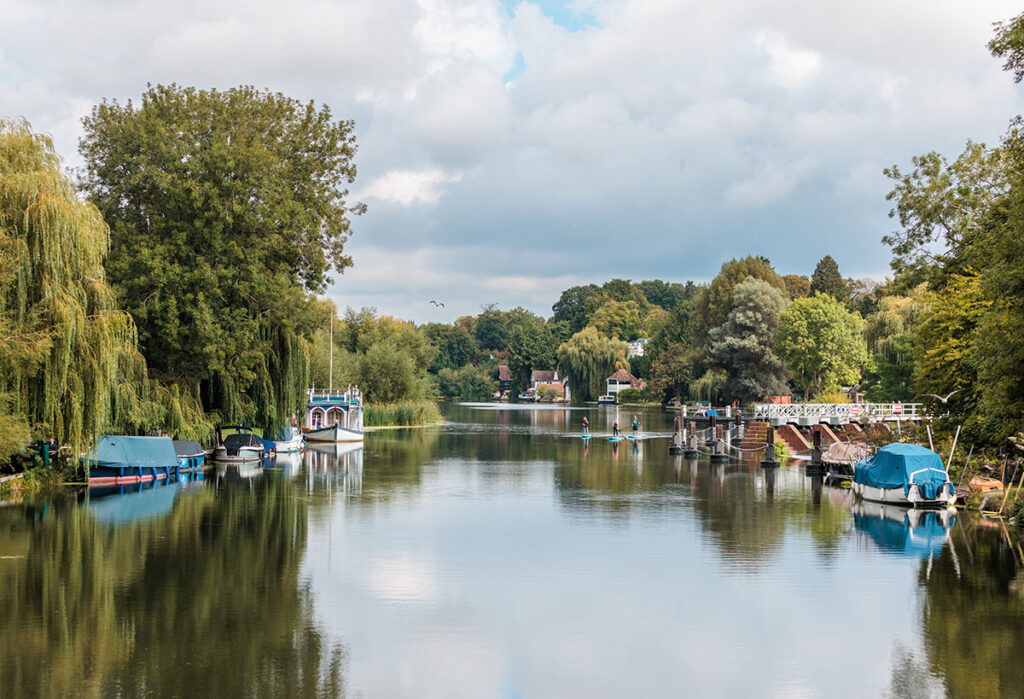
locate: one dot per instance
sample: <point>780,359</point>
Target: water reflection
<point>503,555</point>
<point>203,599</point>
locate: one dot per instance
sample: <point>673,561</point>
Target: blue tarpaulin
<point>896,465</point>
<point>148,452</point>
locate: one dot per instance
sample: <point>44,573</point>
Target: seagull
<point>438,304</point>
<point>948,395</point>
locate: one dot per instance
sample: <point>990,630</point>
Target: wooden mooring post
<point>770,461</point>
<point>691,441</point>
<point>718,447</point>
<point>816,466</point>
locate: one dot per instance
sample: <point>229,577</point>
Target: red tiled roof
<point>503,373</point>
<point>622,376</point>
<point>543,376</point>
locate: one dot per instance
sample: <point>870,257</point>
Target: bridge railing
<point>837,413</point>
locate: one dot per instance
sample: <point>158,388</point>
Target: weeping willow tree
<point>69,364</point>
<point>227,212</point>
<point>588,358</point>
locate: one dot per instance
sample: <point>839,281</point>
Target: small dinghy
<point>904,474</point>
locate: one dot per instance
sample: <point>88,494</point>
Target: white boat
<point>244,447</point>
<point>333,416</point>
<point>334,433</point>
<point>903,474</point>
<point>606,400</point>
<point>291,445</point>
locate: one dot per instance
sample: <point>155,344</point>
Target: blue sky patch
<point>559,11</point>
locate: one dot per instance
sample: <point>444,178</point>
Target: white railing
<point>809,413</point>
<point>350,394</point>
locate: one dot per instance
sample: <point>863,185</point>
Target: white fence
<point>836,413</point>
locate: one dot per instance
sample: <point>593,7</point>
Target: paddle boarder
<point>615,428</point>
<point>586,425</point>
<point>636,426</point>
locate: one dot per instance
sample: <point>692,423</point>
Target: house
<point>638,347</point>
<point>622,379</point>
<point>504,379</point>
<point>542,382</point>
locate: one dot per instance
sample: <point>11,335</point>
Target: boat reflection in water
<point>340,462</point>
<point>288,463</point>
<point>907,532</point>
<point>120,505</point>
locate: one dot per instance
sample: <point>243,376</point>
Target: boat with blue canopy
<point>904,474</point>
<point>120,459</point>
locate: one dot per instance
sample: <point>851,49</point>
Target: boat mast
<point>330,381</point>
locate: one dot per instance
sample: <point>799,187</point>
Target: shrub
<point>630,395</point>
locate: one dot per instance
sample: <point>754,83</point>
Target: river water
<point>501,556</point>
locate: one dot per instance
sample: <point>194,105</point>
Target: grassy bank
<point>404,414</point>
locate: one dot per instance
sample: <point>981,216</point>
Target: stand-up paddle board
<point>615,439</point>
<point>633,436</point>
<point>584,436</point>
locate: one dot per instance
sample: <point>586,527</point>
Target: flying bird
<point>948,395</point>
<point>438,304</point>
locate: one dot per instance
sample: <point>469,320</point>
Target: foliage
<point>672,372</point>
<point>492,328</point>
<point>406,413</point>
<point>797,287</point>
<point>827,280</point>
<point>640,366</point>
<point>69,364</point>
<point>225,208</point>
<point>629,395</point>
<point>576,305</point>
<point>742,345</point>
<point>709,386</point>
<point>714,303</point>
<point>1008,43</point>
<point>822,342</point>
<point>620,319</point>
<point>667,295</point>
<point>587,359</point>
<point>386,374</point>
<point>532,346</point>
<point>467,383</point>
<point>890,339</point>
<point>453,344</point>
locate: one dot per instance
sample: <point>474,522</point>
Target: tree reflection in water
<point>206,601</point>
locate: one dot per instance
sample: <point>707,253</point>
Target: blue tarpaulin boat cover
<point>118,450</point>
<point>894,465</point>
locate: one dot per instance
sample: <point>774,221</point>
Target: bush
<point>401,414</point>
<point>630,395</point>
<point>468,383</point>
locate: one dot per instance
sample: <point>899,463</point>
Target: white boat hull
<point>290,447</point>
<point>334,433</point>
<point>245,455</point>
<point>896,496</point>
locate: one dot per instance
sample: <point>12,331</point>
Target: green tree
<point>532,346</point>
<point>69,364</point>
<point>667,295</point>
<point>742,345</point>
<point>587,359</point>
<point>714,303</point>
<point>890,340</point>
<point>387,374</point>
<point>822,342</point>
<point>467,383</point>
<point>226,208</point>
<point>621,319</point>
<point>827,280</point>
<point>672,372</point>
<point>454,345</point>
<point>492,329</point>
<point>576,305</point>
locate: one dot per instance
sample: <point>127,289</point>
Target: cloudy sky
<point>509,149</point>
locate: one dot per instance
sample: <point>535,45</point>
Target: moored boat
<point>606,400</point>
<point>904,474</point>
<point>292,444</point>
<point>334,417</point>
<point>191,455</point>
<point>120,459</point>
<point>242,447</point>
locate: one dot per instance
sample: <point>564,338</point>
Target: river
<point>501,556</point>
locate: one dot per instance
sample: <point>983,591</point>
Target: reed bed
<point>404,413</point>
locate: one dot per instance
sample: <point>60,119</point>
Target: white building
<point>636,347</point>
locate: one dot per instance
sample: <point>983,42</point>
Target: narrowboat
<point>120,460</point>
<point>904,474</point>
<point>334,417</point>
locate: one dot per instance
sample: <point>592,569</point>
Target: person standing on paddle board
<point>586,425</point>
<point>636,426</point>
<point>615,428</point>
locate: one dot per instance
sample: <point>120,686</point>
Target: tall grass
<point>401,414</point>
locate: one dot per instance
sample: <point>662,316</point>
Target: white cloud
<point>408,187</point>
<point>659,141</point>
